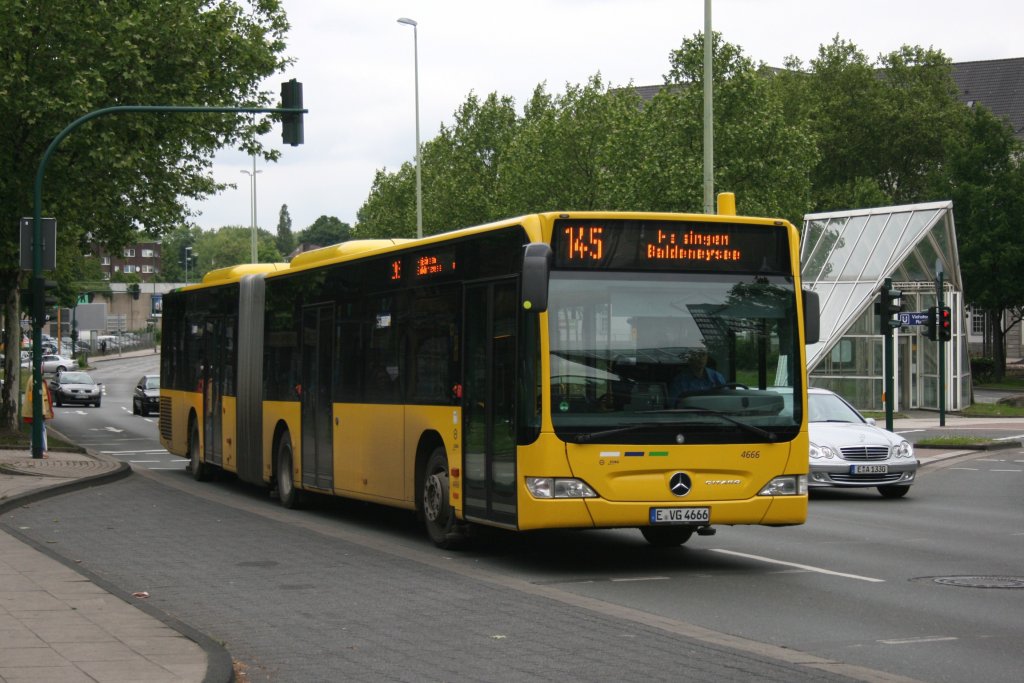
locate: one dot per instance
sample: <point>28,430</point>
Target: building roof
<point>998,84</point>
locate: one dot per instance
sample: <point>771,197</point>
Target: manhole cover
<point>981,581</point>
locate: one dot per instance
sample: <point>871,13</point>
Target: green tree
<point>285,238</point>
<point>883,128</point>
<point>324,231</point>
<point>136,171</point>
<point>562,156</point>
<point>231,246</point>
<point>390,208</point>
<point>987,188</point>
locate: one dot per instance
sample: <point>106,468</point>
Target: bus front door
<point>489,447</point>
<point>317,412</point>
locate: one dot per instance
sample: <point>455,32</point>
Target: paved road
<point>297,598</point>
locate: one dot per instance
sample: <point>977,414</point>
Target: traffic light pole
<point>888,305</point>
<point>942,350</point>
<point>37,287</point>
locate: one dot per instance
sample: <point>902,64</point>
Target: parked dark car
<point>75,387</point>
<point>147,395</point>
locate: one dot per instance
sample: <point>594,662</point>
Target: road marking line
<point>969,469</point>
<point>142,461</point>
<point>136,452</point>
<point>1005,470</point>
<point>642,578</point>
<point>1009,438</point>
<point>914,641</point>
<point>807,567</point>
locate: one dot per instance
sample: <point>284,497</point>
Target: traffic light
<point>888,306</point>
<point>931,329</point>
<point>49,296</point>
<point>291,123</point>
<point>945,324</point>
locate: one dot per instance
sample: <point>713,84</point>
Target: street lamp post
<point>188,257</point>
<point>416,71</point>
<point>252,202</point>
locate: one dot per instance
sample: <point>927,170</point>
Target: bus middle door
<point>316,396</point>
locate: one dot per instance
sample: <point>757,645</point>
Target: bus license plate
<point>680,515</point>
<point>869,469</point>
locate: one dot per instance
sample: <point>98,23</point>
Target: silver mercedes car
<point>847,449</point>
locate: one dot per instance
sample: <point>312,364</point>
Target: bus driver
<point>695,376</point>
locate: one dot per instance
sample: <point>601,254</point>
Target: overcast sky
<point>356,65</point>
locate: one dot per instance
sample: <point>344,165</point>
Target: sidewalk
<point>58,622</point>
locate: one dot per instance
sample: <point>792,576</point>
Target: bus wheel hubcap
<point>434,496</point>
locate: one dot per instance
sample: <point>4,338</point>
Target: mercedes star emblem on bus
<point>679,484</point>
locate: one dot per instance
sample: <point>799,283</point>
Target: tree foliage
<point>324,231</point>
<point>845,131</point>
<point>117,175</point>
<point>285,238</point>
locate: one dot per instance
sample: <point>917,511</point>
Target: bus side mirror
<point>812,317</point>
<point>536,271</point>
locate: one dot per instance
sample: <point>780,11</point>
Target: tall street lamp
<point>416,68</point>
<point>188,257</point>
<point>252,202</point>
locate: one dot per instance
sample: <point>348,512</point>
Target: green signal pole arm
<point>38,308</point>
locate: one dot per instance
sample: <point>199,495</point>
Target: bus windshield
<point>673,358</point>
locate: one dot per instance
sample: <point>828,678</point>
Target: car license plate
<point>869,469</point>
<point>680,515</point>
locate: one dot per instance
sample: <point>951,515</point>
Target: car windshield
<point>75,378</point>
<point>830,408</point>
<point>642,357</point>
<point>152,382</point>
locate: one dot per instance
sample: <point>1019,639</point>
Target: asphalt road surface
<point>928,587</point>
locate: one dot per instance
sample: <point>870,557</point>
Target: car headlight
<point>819,452</point>
<point>553,487</point>
<point>904,450</point>
<point>789,485</point>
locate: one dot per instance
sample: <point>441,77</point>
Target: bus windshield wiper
<point>587,437</point>
<point>752,429</point>
<point>745,426</point>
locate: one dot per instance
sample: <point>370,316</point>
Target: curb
<point>219,665</point>
<point>992,446</point>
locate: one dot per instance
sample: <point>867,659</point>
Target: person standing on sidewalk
<point>26,407</point>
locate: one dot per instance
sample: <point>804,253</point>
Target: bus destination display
<point>669,245</point>
<point>423,266</point>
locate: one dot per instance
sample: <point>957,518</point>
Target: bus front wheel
<point>666,536</point>
<point>200,471</point>
<point>286,491</point>
<point>438,515</point>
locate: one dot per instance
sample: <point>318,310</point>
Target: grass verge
<point>22,439</point>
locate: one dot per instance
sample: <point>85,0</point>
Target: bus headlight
<point>789,485</point>
<point>551,487</point>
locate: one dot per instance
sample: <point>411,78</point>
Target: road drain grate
<point>981,581</point>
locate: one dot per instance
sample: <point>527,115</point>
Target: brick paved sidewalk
<point>62,624</point>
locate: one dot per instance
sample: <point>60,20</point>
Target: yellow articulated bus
<point>557,370</point>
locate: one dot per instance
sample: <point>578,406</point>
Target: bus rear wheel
<point>200,470</point>
<point>666,536</point>
<point>438,516</point>
<point>286,491</point>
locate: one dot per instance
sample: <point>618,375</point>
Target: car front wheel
<point>893,491</point>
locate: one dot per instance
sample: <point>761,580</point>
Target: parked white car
<point>848,450</point>
<point>55,363</point>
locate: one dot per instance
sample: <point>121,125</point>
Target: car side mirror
<point>871,421</point>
